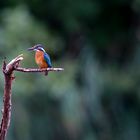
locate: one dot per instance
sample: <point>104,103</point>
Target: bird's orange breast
<point>39,58</point>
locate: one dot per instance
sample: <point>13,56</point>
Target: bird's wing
<point>47,59</point>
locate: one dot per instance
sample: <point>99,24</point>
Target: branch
<point>37,70</point>
<point>13,64</point>
<point>8,70</point>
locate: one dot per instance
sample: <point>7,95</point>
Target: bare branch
<point>8,70</point>
<point>14,63</point>
<point>37,70</point>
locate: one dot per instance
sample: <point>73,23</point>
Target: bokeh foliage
<point>97,43</point>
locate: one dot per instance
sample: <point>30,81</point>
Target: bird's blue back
<point>47,59</point>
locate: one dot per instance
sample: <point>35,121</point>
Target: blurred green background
<point>97,42</point>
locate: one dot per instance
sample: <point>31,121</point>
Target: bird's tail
<point>46,72</point>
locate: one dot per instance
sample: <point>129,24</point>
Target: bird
<point>41,57</point>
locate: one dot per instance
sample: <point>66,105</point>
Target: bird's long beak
<point>30,49</point>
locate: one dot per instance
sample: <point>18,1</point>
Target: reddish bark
<point>7,107</point>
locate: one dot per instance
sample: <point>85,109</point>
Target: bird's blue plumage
<point>47,59</point>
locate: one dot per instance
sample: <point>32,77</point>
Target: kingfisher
<point>41,57</point>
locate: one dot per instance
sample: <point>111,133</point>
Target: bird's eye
<point>41,49</point>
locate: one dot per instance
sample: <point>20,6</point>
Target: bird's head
<point>37,47</point>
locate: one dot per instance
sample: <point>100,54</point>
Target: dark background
<point>97,42</point>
